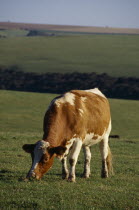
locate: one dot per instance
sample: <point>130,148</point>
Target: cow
<point>77,119</point>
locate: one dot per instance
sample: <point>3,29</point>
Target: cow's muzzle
<point>31,175</point>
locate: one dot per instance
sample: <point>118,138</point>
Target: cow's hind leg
<point>65,172</point>
<point>74,153</point>
<point>106,157</point>
<point>87,157</point>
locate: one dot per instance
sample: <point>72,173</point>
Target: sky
<point>111,13</point>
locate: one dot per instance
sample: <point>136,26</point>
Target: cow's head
<point>42,157</point>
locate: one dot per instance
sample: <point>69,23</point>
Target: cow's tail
<point>109,162</point>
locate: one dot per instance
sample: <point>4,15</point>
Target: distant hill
<point>69,28</point>
<point>61,52</point>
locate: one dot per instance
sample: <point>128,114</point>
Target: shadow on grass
<point>7,175</point>
<point>21,204</point>
<point>80,175</point>
<point>130,142</point>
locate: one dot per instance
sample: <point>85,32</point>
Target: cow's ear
<point>28,148</point>
<point>57,150</point>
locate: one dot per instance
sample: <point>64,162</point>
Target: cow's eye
<point>42,149</point>
<point>44,159</point>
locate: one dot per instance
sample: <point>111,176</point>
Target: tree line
<point>112,87</point>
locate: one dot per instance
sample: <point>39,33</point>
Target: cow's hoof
<point>65,176</point>
<point>25,179</point>
<point>85,176</point>
<point>104,175</point>
<point>70,179</point>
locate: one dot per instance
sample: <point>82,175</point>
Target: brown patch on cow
<point>95,137</point>
<point>44,165</point>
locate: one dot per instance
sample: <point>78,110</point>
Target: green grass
<point>21,116</point>
<point>13,33</point>
<point>116,55</point>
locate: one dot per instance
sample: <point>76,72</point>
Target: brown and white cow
<point>73,120</point>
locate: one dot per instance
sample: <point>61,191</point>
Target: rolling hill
<point>69,28</point>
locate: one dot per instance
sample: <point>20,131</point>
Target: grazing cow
<point>76,119</point>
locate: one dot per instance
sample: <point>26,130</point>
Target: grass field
<point>21,116</point>
<point>116,55</point>
<point>10,33</point>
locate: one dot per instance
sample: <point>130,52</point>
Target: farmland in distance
<point>116,55</point>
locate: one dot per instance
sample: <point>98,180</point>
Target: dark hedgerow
<point>122,87</point>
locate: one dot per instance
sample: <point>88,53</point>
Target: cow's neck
<point>54,135</point>
<point>56,131</point>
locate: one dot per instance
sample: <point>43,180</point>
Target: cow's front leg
<point>87,157</point>
<point>65,172</point>
<point>76,147</point>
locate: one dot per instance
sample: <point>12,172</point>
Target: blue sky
<point>112,13</point>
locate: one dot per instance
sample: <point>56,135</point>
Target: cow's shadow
<point>77,174</point>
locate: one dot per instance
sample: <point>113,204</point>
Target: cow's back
<point>93,112</point>
<point>76,114</point>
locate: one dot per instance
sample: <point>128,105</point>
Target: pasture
<point>21,116</point>
<point>116,55</point>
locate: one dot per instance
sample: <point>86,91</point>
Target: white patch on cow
<point>73,156</point>
<point>70,98</point>
<point>76,147</point>
<point>89,141</point>
<point>68,146</point>
<point>87,155</point>
<point>109,128</point>
<point>96,91</point>
<point>81,111</point>
<point>58,102</point>
<point>67,98</point>
<point>104,146</point>
<point>83,99</point>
